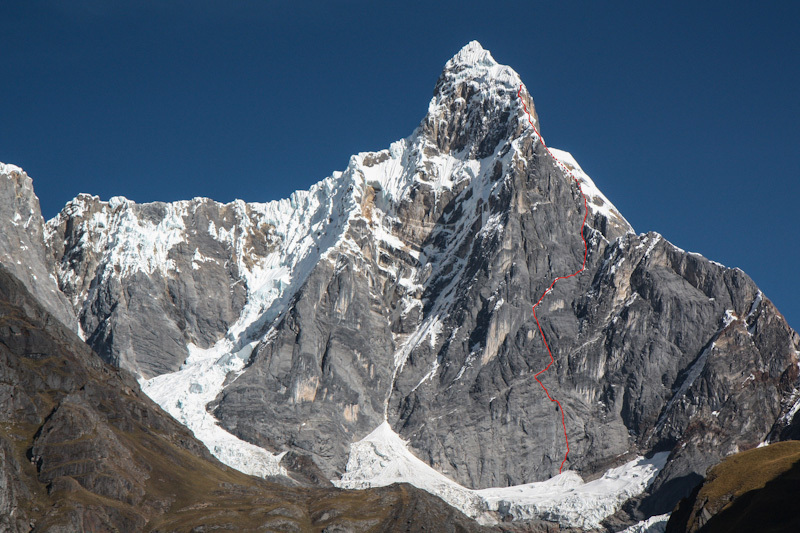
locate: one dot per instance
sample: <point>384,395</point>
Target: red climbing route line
<point>583,267</point>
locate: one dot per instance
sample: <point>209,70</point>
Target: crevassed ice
<point>270,282</point>
<point>654,524</point>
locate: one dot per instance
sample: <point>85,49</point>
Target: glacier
<point>383,457</point>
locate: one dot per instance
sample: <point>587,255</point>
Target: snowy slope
<point>271,283</point>
<point>382,458</point>
<point>654,524</point>
<point>185,394</point>
<point>311,226</point>
<point>595,199</point>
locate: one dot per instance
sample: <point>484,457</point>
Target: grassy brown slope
<point>83,449</point>
<point>755,490</point>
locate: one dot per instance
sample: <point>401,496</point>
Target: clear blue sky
<point>685,114</point>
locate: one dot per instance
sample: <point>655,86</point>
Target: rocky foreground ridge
<point>399,290</point>
<point>753,490</point>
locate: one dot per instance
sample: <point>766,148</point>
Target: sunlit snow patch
<point>382,458</point>
<point>184,395</point>
<point>566,499</point>
<point>596,200</point>
<point>307,227</point>
<point>654,524</point>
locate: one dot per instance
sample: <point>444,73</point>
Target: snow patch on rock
<point>307,226</point>
<point>595,199</point>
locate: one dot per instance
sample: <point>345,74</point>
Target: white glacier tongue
<point>654,524</point>
<point>185,394</point>
<point>571,502</point>
<point>382,458</point>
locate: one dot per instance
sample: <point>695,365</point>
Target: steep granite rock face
<point>401,289</point>
<point>639,339</point>
<point>22,249</point>
<point>435,274</point>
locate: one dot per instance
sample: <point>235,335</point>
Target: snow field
<point>382,458</point>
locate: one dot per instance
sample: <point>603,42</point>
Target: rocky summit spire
<point>475,104</point>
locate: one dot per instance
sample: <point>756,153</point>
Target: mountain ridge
<point>400,290</point>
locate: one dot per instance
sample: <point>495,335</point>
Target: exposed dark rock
<point>173,276</point>
<point>654,346</point>
<point>304,470</point>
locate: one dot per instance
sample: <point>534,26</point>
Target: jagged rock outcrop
<point>401,289</point>
<point>370,323</point>
<point>148,280</point>
<point>653,345</point>
<point>22,243</point>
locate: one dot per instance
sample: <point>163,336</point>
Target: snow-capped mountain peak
<point>396,295</point>
<point>475,104</point>
<point>472,54</point>
<point>476,64</point>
